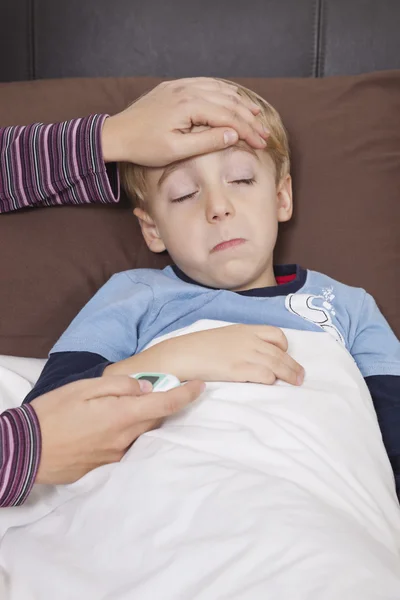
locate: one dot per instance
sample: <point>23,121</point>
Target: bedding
<point>253,492</point>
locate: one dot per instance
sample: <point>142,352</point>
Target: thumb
<point>145,386</point>
<point>210,140</point>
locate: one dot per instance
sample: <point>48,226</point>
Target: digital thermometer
<point>161,382</point>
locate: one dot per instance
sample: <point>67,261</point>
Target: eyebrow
<point>181,163</point>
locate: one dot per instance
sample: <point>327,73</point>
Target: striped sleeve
<point>62,163</point>
<point>20,446</point>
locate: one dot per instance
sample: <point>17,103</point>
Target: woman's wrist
<point>112,142</point>
<point>20,451</point>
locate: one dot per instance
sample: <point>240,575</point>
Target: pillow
<point>345,142</point>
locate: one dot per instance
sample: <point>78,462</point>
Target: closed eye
<point>249,181</point>
<point>182,198</point>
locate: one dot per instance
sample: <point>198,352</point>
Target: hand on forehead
<point>240,145</point>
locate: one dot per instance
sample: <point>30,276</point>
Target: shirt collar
<point>282,289</point>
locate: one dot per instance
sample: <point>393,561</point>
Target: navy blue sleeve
<point>65,367</point>
<point>385,393</point>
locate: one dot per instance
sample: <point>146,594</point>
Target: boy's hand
<point>154,130</point>
<point>253,353</point>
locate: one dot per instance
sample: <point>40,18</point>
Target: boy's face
<point>226,196</point>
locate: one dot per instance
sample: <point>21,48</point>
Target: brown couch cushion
<point>345,138</point>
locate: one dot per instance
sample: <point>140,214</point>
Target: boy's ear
<point>284,198</point>
<point>149,231</point>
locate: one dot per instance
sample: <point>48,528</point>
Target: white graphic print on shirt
<point>303,306</point>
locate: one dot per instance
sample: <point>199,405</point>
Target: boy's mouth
<point>228,244</point>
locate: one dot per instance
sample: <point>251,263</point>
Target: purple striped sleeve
<point>62,163</point>
<point>20,446</point>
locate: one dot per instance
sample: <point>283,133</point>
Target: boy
<point>217,215</point>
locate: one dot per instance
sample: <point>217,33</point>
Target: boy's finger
<point>284,371</point>
<point>164,404</point>
<point>280,364</point>
<point>280,356</point>
<point>268,374</point>
<point>273,335</point>
<point>293,365</point>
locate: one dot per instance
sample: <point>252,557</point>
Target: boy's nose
<point>218,207</point>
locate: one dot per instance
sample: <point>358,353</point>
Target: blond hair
<point>133,177</point>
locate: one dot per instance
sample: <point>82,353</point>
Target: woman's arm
<point>62,163</point>
<point>65,163</point>
<point>20,447</point>
<point>72,430</point>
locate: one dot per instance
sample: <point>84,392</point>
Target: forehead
<point>241,147</point>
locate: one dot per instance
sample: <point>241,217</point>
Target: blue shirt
<point>136,306</point>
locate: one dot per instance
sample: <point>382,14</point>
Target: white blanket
<point>253,493</point>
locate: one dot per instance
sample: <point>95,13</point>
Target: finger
<point>281,369</point>
<point>273,335</point>
<point>277,354</point>
<point>222,95</point>
<point>109,385</point>
<point>236,103</point>
<point>164,404</point>
<point>209,84</point>
<point>285,373</point>
<point>216,138</point>
<point>206,113</point>
<point>203,142</point>
<point>228,87</point>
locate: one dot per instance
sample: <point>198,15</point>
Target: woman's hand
<point>154,130</point>
<point>93,422</point>
<point>254,353</point>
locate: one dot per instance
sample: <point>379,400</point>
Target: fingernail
<point>266,130</point>
<point>145,385</point>
<point>230,137</point>
<point>263,141</point>
<point>300,377</point>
